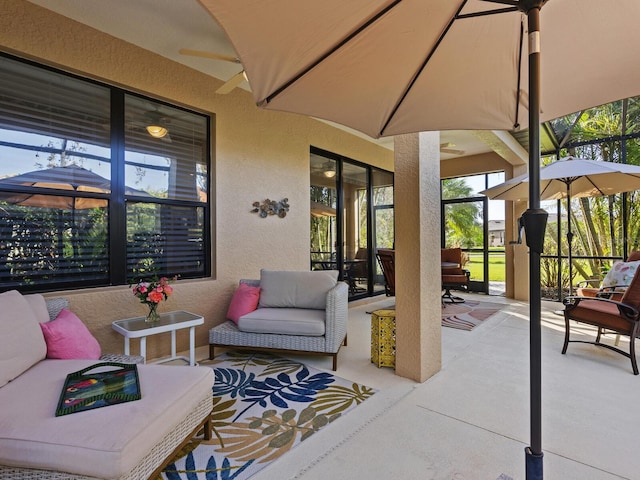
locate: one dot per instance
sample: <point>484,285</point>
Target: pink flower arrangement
<point>153,292</point>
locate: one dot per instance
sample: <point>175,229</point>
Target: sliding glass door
<point>351,216</point>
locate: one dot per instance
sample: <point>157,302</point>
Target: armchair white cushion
<point>293,289</point>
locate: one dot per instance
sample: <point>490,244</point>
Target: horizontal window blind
<point>85,187</point>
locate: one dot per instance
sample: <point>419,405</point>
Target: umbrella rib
<point>504,2</point>
<point>457,16</point>
<point>516,124</point>
<point>487,12</point>
<point>420,70</point>
<point>330,52</point>
<point>497,197</point>
<point>594,185</point>
<point>567,134</point>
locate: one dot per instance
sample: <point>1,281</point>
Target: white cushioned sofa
<point>131,440</point>
<point>298,312</point>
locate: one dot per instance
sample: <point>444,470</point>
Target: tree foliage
<point>607,133</point>
<point>462,222</point>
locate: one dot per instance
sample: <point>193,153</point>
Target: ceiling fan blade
<point>211,55</point>
<point>232,83</point>
<point>447,147</point>
<point>452,151</point>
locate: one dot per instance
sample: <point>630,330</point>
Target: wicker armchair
<point>279,327</point>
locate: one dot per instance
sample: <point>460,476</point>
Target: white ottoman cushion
<point>105,442</point>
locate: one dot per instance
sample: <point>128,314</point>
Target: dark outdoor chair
<point>357,271</point>
<point>607,315</point>
<point>386,258</point>
<point>454,277</point>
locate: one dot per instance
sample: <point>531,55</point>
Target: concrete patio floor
<point>471,420</point>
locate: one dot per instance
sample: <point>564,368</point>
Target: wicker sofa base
<point>151,465</point>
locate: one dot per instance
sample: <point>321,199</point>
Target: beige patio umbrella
<point>321,210</point>
<point>388,67</point>
<point>572,177</point>
<point>66,179</point>
<point>70,178</point>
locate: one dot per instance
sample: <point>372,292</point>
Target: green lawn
<point>496,266</point>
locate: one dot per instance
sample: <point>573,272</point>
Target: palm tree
<point>461,224</point>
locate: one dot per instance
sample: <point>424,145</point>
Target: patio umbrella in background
<point>71,178</point>
<point>569,178</point>
<point>388,67</point>
<point>63,179</point>
<point>321,210</point>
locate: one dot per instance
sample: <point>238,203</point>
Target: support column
<point>417,257</point>
<point>519,253</point>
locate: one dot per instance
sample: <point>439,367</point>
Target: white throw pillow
<point>296,289</point>
<point>39,306</point>
<point>620,274</point>
<point>22,344</point>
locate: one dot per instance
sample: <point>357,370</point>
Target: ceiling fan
<point>230,84</point>
<point>449,147</point>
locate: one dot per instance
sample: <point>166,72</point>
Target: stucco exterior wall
<point>257,154</point>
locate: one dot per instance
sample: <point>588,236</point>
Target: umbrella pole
<point>569,239</point>
<point>533,453</point>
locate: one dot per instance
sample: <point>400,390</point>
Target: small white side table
<point>169,322</point>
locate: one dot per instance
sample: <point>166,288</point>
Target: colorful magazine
<point>84,390</point>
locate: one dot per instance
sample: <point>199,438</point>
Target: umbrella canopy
<point>70,178</point>
<point>388,67</point>
<point>321,210</point>
<point>572,177</point>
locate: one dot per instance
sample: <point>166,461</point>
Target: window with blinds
<point>98,186</point>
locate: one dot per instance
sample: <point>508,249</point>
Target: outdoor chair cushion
<point>22,342</point>
<point>39,307</point>
<point>285,321</point>
<point>620,274</point>
<point>296,289</point>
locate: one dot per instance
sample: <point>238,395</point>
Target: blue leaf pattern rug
<point>264,406</point>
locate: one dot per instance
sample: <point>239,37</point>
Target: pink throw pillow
<point>245,300</point>
<point>68,338</point>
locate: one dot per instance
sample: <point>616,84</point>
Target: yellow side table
<point>383,338</point>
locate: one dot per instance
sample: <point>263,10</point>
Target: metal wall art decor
<point>271,207</point>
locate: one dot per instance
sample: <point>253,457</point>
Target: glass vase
<point>153,316</point>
